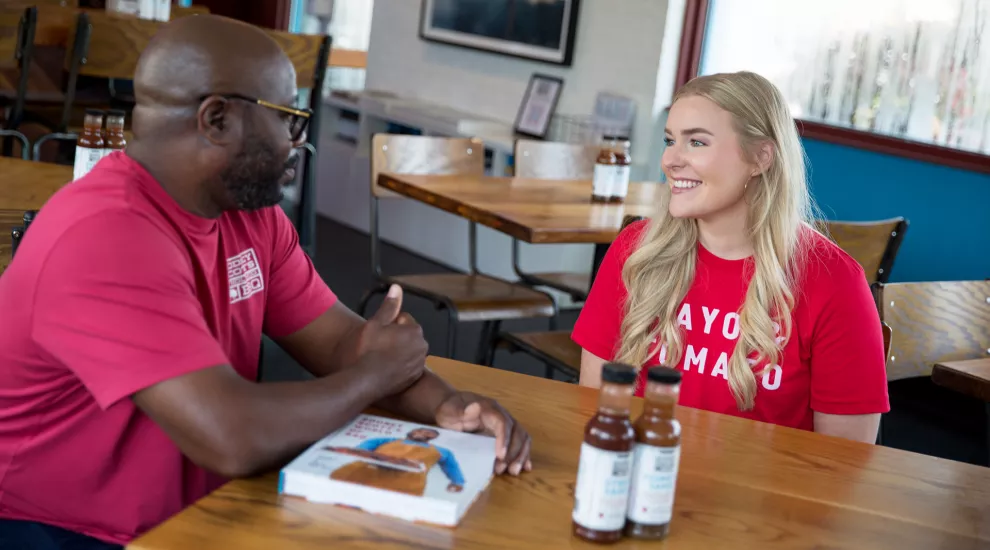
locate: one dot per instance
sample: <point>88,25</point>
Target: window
<point>348,22</point>
<point>909,77</point>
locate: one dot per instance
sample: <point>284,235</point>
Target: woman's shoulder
<point>630,237</point>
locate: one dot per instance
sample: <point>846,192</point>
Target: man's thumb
<point>390,308</point>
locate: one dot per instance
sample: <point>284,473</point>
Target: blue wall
<point>948,209</point>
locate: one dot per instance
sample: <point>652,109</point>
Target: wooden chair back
<point>873,244</point>
<point>554,160</point>
<point>111,44</point>
<point>15,24</point>
<point>17,32</point>
<point>933,322</point>
<point>309,54</point>
<point>419,155</point>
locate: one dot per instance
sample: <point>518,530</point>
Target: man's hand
<point>470,412</point>
<point>391,343</point>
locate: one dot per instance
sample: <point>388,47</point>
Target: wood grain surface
<point>970,378</point>
<point>26,185</point>
<point>303,50</point>
<point>742,484</point>
<point>531,210</point>
<point>115,43</point>
<point>934,322</point>
<point>424,155</point>
<point>554,160</point>
<point>866,242</point>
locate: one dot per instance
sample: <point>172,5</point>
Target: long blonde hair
<point>660,271</point>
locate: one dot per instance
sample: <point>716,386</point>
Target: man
<point>133,313</point>
<point>400,464</point>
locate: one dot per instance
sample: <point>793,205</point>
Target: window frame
<point>689,64</point>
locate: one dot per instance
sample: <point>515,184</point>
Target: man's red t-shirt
<point>115,289</point>
<point>833,363</point>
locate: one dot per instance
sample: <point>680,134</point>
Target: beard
<point>254,179</point>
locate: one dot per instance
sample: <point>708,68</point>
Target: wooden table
<point>533,211</point>
<point>26,185</point>
<point>972,378</point>
<point>742,484</point>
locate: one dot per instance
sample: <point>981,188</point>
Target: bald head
<point>195,56</point>
<point>213,121</point>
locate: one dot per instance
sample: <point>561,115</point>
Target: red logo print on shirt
<point>701,360</point>
<point>244,275</point>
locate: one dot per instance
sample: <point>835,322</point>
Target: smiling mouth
<point>684,184</point>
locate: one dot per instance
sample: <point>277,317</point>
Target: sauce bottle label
<point>620,181</point>
<point>86,159</point>
<point>602,184</point>
<point>651,499</point>
<point>602,489</point>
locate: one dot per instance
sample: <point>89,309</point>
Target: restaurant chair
<point>80,62</point>
<point>874,244</point>
<point>17,28</point>
<point>309,54</point>
<point>557,161</point>
<point>467,297</point>
<point>553,348</point>
<point>933,322</point>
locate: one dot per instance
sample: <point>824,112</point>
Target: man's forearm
<point>420,401</point>
<point>284,417</point>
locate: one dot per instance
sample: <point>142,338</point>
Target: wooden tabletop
<point>26,185</point>
<point>534,211</point>
<point>742,484</point>
<point>970,377</point>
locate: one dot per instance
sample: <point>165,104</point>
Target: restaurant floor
<point>924,418</point>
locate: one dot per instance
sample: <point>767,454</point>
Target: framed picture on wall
<point>540,30</point>
<point>538,105</point>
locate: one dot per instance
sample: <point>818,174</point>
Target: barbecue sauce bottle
<point>656,456</point>
<point>605,465</point>
<point>89,145</point>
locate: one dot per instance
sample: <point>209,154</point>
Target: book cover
<point>401,469</point>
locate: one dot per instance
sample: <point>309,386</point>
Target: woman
<point>767,318</point>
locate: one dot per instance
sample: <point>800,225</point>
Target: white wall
<point>617,48</point>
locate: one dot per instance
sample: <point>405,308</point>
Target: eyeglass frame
<point>300,114</point>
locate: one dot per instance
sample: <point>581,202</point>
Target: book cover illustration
<point>396,468</point>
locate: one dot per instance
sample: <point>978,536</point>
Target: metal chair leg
<point>880,431</point>
<point>489,344</point>
<point>451,333</point>
<point>483,339</point>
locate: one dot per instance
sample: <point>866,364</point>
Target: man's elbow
<point>232,457</point>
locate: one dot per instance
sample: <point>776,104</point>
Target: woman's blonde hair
<point>660,271</point>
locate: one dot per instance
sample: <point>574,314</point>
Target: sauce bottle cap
<point>94,112</point>
<point>617,373</point>
<point>664,375</point>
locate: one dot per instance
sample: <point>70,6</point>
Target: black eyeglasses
<point>298,119</point>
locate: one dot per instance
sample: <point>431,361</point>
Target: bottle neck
<point>661,399</point>
<point>614,399</point>
<point>92,123</point>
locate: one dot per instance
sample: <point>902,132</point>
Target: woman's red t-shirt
<point>833,363</point>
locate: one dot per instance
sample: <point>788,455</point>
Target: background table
<point>534,211</point>
<point>26,185</point>
<point>742,484</point>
